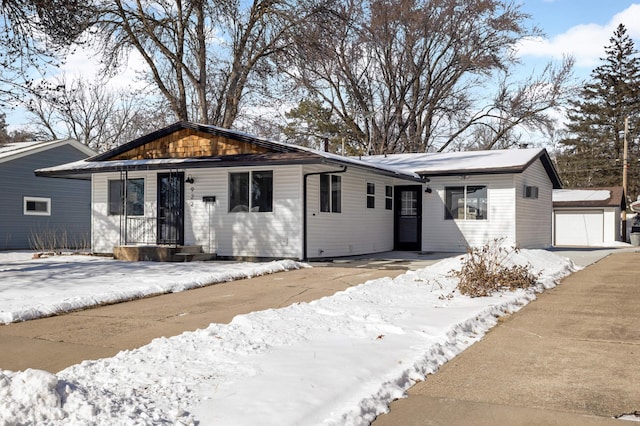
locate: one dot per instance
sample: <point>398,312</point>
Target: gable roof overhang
<point>277,153</point>
<point>542,155</point>
<point>467,163</point>
<point>208,129</point>
<point>85,168</point>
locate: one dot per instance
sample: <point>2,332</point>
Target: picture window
<point>466,203</point>
<point>251,191</point>
<point>134,195</point>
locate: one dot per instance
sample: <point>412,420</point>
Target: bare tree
<point>33,36</point>
<point>93,114</point>
<point>410,75</point>
<point>201,55</point>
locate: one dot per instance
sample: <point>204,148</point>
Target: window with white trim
<point>330,193</point>
<point>251,191</point>
<point>371,195</point>
<point>36,206</point>
<point>466,202</point>
<point>388,197</point>
<point>134,195</point>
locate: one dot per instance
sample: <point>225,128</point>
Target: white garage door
<point>579,228</point>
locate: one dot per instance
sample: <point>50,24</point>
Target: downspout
<point>304,205</point>
<point>125,212</point>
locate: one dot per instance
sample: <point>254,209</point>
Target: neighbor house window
<point>388,197</point>
<point>37,206</point>
<point>251,191</point>
<point>466,202</point>
<point>330,193</point>
<point>134,197</point>
<point>371,195</point>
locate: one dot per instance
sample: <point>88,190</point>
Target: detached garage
<point>587,217</point>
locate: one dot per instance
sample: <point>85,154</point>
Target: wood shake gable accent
<point>190,140</point>
<point>190,143</point>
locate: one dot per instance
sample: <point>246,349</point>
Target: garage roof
<point>612,196</point>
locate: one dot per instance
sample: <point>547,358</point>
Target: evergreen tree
<point>592,155</point>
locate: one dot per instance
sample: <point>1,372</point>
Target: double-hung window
<point>371,195</point>
<point>134,195</point>
<point>388,197</point>
<point>466,202</point>
<point>251,191</point>
<point>330,193</point>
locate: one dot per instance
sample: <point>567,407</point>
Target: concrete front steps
<point>161,253</point>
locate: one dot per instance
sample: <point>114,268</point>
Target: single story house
<point>237,195</point>
<point>588,217</point>
<point>40,212</point>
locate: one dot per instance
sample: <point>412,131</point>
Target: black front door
<point>408,217</point>
<point>171,208</point>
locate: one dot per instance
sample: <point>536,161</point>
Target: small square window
<point>530,192</point>
<point>37,206</point>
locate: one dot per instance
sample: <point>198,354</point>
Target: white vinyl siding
<point>105,228</point>
<point>244,234</point>
<point>276,234</point>
<point>357,229</point>
<point>534,215</point>
<point>440,234</point>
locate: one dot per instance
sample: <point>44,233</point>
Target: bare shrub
<point>55,240</point>
<point>484,271</point>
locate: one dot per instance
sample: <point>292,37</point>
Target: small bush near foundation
<point>484,273</point>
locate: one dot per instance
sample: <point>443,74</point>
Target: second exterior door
<point>408,218</point>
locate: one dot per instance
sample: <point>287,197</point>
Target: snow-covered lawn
<point>34,288</point>
<point>337,360</point>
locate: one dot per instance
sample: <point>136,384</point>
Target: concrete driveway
<point>55,343</point>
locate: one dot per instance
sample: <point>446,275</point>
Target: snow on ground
<point>337,360</point>
<point>34,288</point>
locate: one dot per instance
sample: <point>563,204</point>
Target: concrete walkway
<point>572,357</point>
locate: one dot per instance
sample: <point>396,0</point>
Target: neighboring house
<point>39,210</point>
<point>588,217</point>
<point>237,195</point>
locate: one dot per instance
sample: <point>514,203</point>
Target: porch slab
<point>159,253</point>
